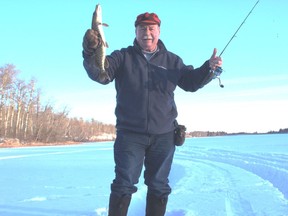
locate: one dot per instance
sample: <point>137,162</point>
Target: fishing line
<point>217,72</point>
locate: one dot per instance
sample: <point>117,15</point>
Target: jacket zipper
<point>148,94</point>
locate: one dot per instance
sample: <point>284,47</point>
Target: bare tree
<point>7,77</point>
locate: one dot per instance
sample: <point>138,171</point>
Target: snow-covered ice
<point>213,176</point>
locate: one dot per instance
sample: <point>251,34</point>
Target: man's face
<point>147,36</point>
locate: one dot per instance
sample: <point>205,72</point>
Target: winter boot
<point>118,206</point>
<point>155,206</point>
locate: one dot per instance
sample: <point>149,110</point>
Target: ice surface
<point>215,176</point>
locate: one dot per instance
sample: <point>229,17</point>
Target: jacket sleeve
<point>114,61</point>
<point>192,79</point>
<point>91,68</point>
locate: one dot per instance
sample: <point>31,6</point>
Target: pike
<point>97,25</point>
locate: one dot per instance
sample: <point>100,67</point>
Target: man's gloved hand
<point>215,61</point>
<point>91,41</point>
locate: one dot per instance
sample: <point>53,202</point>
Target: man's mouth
<point>147,38</point>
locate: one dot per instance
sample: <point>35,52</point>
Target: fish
<point>100,54</point>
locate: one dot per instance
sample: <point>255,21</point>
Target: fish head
<point>97,17</point>
<point>98,12</point>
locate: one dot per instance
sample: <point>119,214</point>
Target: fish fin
<point>105,44</point>
<point>106,63</point>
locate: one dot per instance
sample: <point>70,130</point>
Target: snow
<point>213,176</point>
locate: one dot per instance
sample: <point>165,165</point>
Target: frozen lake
<point>213,176</point>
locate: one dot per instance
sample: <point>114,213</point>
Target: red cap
<point>147,18</point>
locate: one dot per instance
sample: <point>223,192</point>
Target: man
<point>146,75</point>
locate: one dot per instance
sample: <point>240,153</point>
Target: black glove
<point>91,41</point>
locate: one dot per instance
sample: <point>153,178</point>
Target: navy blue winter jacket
<point>145,89</point>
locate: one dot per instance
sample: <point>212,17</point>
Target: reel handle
<point>216,75</point>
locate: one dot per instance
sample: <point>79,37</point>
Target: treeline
<point>222,133</point>
<point>24,117</point>
<point>205,133</point>
<point>285,130</point>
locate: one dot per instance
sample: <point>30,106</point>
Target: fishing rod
<point>219,70</point>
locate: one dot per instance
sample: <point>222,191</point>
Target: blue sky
<point>43,39</point>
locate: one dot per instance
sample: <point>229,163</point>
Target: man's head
<point>147,31</point>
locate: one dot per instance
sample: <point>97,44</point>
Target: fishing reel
<point>216,75</point>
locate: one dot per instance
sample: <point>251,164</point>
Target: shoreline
<point>15,143</point>
<point>34,144</point>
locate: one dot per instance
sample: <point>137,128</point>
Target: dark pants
<point>131,151</point>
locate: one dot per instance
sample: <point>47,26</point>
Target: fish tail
<point>103,76</point>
